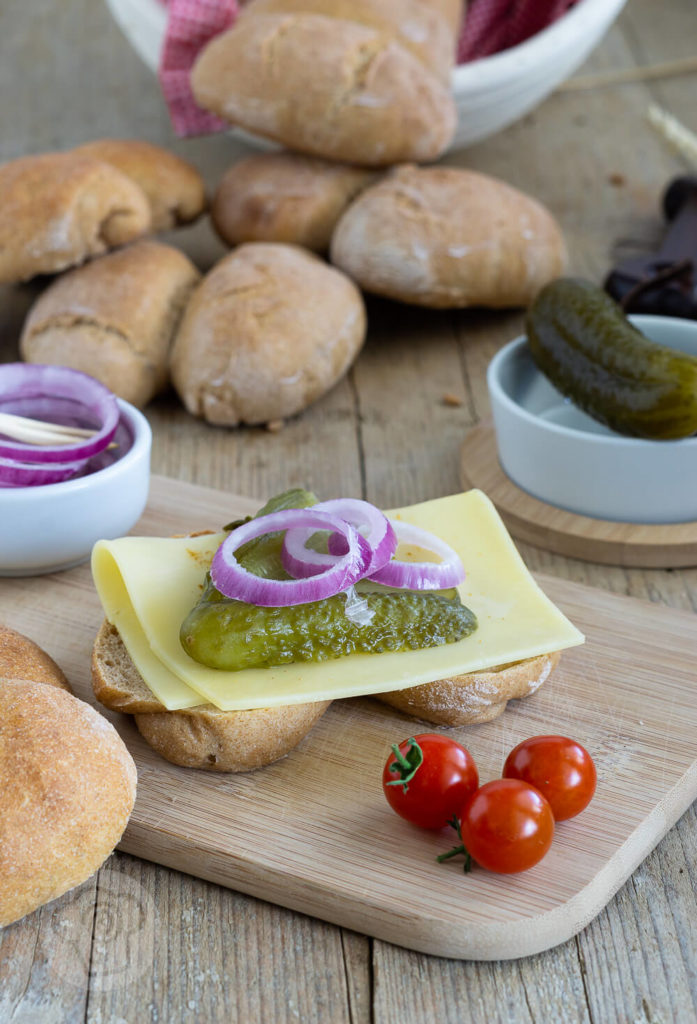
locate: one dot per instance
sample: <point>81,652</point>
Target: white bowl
<point>490,93</point>
<point>557,453</point>
<point>53,527</point>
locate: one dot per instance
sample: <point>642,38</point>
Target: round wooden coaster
<point>670,546</point>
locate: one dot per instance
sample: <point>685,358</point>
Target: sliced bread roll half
<point>473,698</point>
<point>200,737</point>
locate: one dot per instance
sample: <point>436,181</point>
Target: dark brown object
<point>664,283</point>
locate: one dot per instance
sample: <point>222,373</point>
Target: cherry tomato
<point>560,768</point>
<point>430,778</point>
<point>507,826</point>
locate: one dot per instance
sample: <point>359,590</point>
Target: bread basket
<point>490,93</point>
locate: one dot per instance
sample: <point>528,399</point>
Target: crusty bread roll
<point>114,318</point>
<point>284,197</point>
<point>446,237</point>
<point>417,25</point>
<point>59,209</point>
<point>326,86</point>
<point>475,697</point>
<point>67,782</point>
<point>269,330</point>
<point>22,658</point>
<point>200,737</point>
<point>174,188</point>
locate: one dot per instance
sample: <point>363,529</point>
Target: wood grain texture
<point>670,546</point>
<point>626,695</point>
<point>384,434</point>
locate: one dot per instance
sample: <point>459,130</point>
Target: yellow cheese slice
<point>147,586</point>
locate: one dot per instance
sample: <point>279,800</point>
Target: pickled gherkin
<point>582,341</point>
<point>230,635</point>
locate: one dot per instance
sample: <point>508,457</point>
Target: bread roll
<point>417,25</point>
<point>284,197</point>
<point>174,188</point>
<point>445,237</point>
<point>473,698</point>
<point>67,788</point>
<point>21,658</point>
<point>326,86</point>
<point>114,318</point>
<point>59,209</point>
<point>268,331</point>
<point>201,737</point>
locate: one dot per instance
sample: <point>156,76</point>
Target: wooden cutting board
<point>313,831</point>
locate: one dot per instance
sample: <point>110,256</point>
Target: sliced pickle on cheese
<point>231,635</point>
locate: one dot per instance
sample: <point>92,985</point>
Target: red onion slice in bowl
<point>28,474</point>
<point>421,575</point>
<point>234,581</point>
<point>35,389</point>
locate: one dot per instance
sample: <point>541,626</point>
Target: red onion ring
<point>234,581</point>
<point>26,382</point>
<point>29,474</point>
<point>421,575</point>
<point>300,561</point>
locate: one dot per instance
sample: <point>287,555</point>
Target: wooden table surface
<point>143,943</point>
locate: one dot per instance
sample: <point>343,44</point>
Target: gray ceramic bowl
<point>557,453</point>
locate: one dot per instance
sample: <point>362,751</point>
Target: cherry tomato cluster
<point>506,825</point>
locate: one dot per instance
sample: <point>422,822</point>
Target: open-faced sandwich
<point>227,647</point>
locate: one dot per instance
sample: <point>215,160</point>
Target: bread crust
<point>174,188</point>
<point>114,318</point>
<point>22,658</point>
<point>67,788</point>
<point>59,209</point>
<point>327,87</point>
<point>200,737</point>
<point>447,237</point>
<point>269,330</point>
<point>228,741</point>
<point>418,26</point>
<point>475,697</point>
<point>284,197</point>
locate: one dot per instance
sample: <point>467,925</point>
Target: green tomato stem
<point>406,764</point>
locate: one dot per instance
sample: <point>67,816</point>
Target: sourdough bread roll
<point>200,737</point>
<point>59,209</point>
<point>174,188</point>
<point>417,25</point>
<point>22,659</point>
<point>67,788</point>
<point>475,697</point>
<point>114,318</point>
<point>446,237</point>
<point>268,331</point>
<point>284,197</point>
<point>326,86</point>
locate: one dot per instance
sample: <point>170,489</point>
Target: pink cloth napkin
<point>489,27</point>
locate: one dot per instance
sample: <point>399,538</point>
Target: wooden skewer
<point>618,76</point>
<point>39,432</point>
<point>684,140</point>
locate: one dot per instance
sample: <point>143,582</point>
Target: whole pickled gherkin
<point>582,341</point>
<point>227,634</point>
<point>230,635</point>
